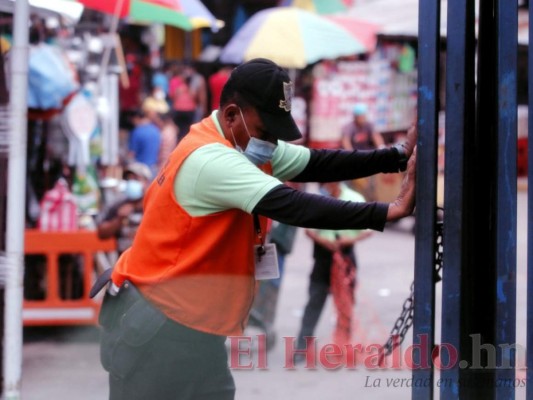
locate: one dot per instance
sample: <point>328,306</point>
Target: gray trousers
<point>149,356</point>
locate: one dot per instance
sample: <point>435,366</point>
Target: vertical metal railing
<point>425,247</point>
<point>478,327</point>
<point>459,84</point>
<point>529,340</point>
<point>506,200</point>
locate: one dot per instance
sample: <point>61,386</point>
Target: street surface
<point>63,363</point>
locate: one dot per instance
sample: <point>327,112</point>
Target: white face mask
<point>133,189</point>
<point>258,151</point>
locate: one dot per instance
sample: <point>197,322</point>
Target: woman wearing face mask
<point>122,218</point>
<point>191,271</point>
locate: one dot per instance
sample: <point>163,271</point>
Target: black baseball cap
<point>267,87</point>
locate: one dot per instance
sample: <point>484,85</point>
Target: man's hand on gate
<point>404,204</point>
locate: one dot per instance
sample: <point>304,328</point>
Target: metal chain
<point>439,251</point>
<point>405,320</point>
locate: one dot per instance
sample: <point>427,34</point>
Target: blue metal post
<point>425,248</point>
<point>529,344</point>
<point>459,123</point>
<point>507,20</point>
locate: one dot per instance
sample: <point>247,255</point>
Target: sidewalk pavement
<point>63,363</point>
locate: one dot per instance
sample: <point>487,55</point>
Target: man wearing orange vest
<point>187,282</point>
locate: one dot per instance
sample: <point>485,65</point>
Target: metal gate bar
<point>529,342</point>
<point>506,207</point>
<point>425,247</point>
<point>459,122</point>
<point>477,353</point>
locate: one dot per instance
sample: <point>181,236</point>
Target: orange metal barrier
<point>55,309</point>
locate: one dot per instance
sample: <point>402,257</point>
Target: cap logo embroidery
<point>288,93</point>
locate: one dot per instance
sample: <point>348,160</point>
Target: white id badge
<point>266,265</point>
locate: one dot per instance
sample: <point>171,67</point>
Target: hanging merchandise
<point>58,209</point>
<point>85,189</point>
<point>389,94</point>
<point>80,120</point>
<point>406,59</point>
<point>50,78</point>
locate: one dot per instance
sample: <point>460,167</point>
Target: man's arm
<point>344,241</point>
<point>308,210</point>
<point>109,228</point>
<point>378,140</point>
<point>110,224</point>
<point>346,144</point>
<point>338,165</point>
<point>328,244</point>
<point>346,134</point>
<point>293,207</point>
<point>405,201</point>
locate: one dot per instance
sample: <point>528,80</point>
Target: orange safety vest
<point>198,270</point>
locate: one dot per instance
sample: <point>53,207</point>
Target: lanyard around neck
<point>257,226</point>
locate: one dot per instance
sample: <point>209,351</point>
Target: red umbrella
<point>185,14</point>
<point>364,31</point>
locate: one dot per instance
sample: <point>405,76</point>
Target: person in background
<point>160,80</point>
<point>169,138</point>
<point>327,246</point>
<point>155,105</point>
<point>122,218</point>
<point>359,134</point>
<point>216,82</point>
<point>130,95</point>
<point>183,101</point>
<point>198,87</point>
<point>188,280</point>
<point>145,141</point>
